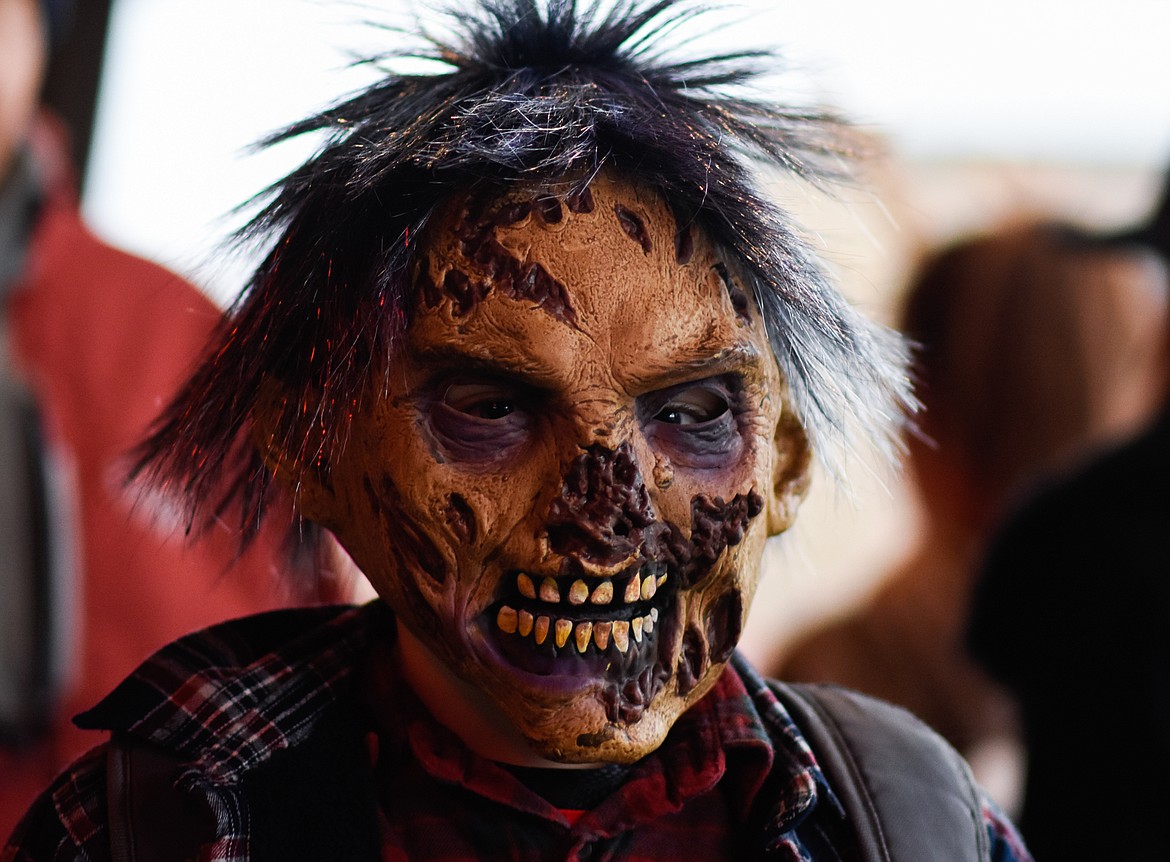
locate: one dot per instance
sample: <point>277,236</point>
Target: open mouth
<point>569,625</point>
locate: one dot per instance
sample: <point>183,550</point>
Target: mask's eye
<point>695,423</point>
<point>488,401</point>
<point>692,406</point>
<point>481,420</point>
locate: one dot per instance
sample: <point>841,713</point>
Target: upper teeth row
<point>600,633</point>
<point>548,591</point>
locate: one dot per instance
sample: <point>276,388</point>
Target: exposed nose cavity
<point>603,509</point>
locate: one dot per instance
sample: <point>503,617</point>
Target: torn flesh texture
<point>620,573</point>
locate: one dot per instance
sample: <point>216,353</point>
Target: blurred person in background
<point>92,343</point>
<point>1034,347</point>
<point>1071,612</point>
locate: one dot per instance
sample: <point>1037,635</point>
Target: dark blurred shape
<point>58,18</point>
<point>77,32</point>
<point>1154,233</point>
<point>1072,613</point>
<point>1035,346</point>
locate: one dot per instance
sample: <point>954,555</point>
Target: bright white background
<point>190,84</point>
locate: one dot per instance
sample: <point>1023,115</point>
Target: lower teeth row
<point>601,634</point>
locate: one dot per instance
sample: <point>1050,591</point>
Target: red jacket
<point>102,338</point>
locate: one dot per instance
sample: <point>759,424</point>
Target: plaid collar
<point>232,696</point>
<point>803,784</point>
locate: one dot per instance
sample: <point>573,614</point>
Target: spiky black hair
<point>531,92</point>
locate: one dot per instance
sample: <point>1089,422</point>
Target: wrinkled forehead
<point>606,266</point>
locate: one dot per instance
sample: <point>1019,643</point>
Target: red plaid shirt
<point>246,704</point>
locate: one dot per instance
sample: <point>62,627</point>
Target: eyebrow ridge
<point>735,358</point>
<point>446,359</point>
<point>738,357</point>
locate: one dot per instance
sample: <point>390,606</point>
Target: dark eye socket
<point>487,401</point>
<point>481,420</point>
<point>693,405</point>
<point>696,424</point>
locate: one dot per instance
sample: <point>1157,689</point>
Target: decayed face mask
<point>565,491</point>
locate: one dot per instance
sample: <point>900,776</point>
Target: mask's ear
<point>292,449</point>
<point>791,471</point>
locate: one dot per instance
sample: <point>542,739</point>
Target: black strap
<point>908,794</point>
<point>150,820</point>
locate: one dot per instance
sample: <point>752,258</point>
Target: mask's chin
<point>590,682</point>
<point>466,709</point>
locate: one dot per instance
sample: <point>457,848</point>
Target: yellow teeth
<point>563,629</point>
<point>603,594</point>
<point>578,593</point>
<point>549,592</point>
<point>601,633</point>
<point>525,624</point>
<point>633,590</point>
<point>583,634</point>
<point>506,619</point>
<point>621,635</point>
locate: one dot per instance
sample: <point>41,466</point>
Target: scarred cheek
<point>711,642</point>
<point>409,542</point>
<point>724,624</point>
<point>461,520</point>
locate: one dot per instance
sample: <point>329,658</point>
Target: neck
<point>464,710</point>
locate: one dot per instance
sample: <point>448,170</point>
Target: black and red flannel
<point>270,715</point>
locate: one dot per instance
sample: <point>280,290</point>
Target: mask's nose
<point>602,511</point>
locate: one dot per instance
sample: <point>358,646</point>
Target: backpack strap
<point>150,820</point>
<point>909,796</point>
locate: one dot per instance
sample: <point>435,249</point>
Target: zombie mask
<point>563,481</point>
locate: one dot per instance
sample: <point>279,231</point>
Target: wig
<point>543,93</point>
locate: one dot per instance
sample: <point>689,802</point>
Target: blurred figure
<point>1033,348</point>
<point>1072,613</point>
<point>92,343</point>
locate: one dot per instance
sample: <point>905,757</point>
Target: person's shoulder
<point>1005,842</point>
<point>68,820</point>
<point>234,693</point>
<point>69,262</point>
<point>898,782</point>
<point>266,650</point>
